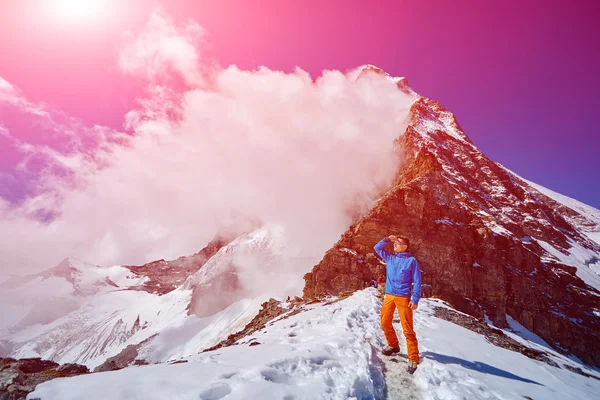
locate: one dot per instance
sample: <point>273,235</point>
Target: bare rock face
<point>478,232</point>
<point>127,356</point>
<point>20,377</point>
<point>211,298</point>
<point>165,276</point>
<point>269,311</point>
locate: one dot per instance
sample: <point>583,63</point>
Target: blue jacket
<point>402,270</point>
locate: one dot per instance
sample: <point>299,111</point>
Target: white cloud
<point>5,86</point>
<point>163,48</point>
<point>4,132</point>
<point>10,95</point>
<point>267,145</point>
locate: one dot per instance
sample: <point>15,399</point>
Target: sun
<point>79,9</point>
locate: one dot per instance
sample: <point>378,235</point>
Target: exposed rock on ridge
<point>478,232</point>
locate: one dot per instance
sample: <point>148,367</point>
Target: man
<point>403,270</point>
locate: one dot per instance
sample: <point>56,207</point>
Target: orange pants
<point>390,303</point>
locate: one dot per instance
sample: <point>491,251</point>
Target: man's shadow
<point>476,366</point>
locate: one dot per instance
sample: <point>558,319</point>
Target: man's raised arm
<point>386,255</point>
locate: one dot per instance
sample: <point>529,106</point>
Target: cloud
<point>4,132</point>
<point>232,146</point>
<point>11,96</point>
<point>5,86</point>
<point>163,48</point>
<point>45,150</point>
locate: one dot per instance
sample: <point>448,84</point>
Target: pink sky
<point>205,149</point>
<point>520,76</point>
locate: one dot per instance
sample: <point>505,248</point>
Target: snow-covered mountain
<point>489,243</point>
<point>44,297</point>
<point>511,269</point>
<point>164,310</point>
<point>330,351</point>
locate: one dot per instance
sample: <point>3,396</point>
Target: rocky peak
<point>488,243</point>
<point>401,82</point>
<point>165,276</point>
<point>218,283</point>
<point>85,279</point>
<point>65,269</point>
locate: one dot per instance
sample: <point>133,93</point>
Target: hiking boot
<point>412,366</point>
<point>388,351</point>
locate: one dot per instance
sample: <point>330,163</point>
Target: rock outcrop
<point>20,377</point>
<point>481,234</point>
<point>165,276</point>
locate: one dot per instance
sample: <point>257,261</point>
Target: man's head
<point>401,245</point>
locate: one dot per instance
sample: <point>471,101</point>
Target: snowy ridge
<point>101,327</point>
<point>103,311</point>
<point>592,231</point>
<point>586,219</point>
<point>264,243</point>
<point>330,351</point>
<point>587,211</point>
<point>44,297</point>
<point>505,202</point>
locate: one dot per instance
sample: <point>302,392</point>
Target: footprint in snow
<point>227,375</point>
<point>216,391</point>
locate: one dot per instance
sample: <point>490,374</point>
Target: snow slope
<point>331,351</point>
<point>587,222</point>
<point>104,325</point>
<point>589,212</point>
<point>44,297</point>
<point>81,313</point>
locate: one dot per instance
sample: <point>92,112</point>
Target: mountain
<point>489,243</point>
<point>106,318</point>
<point>82,313</point>
<point>511,305</point>
<point>330,350</point>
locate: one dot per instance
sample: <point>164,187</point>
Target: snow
<point>123,277</point>
<point>425,125</point>
<point>349,251</point>
<point>194,334</point>
<point>594,236</point>
<point>259,253</point>
<point>588,212</point>
<point>487,319</point>
<point>497,228</point>
<point>105,325</point>
<point>586,261</point>
<point>521,334</point>
<point>330,351</point>
<point>78,312</point>
<point>444,221</point>
<point>100,326</point>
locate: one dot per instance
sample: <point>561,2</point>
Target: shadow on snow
<point>475,365</point>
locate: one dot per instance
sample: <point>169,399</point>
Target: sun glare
<point>79,9</point>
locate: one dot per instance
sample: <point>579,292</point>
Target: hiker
<point>380,286</point>
<point>403,270</point>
